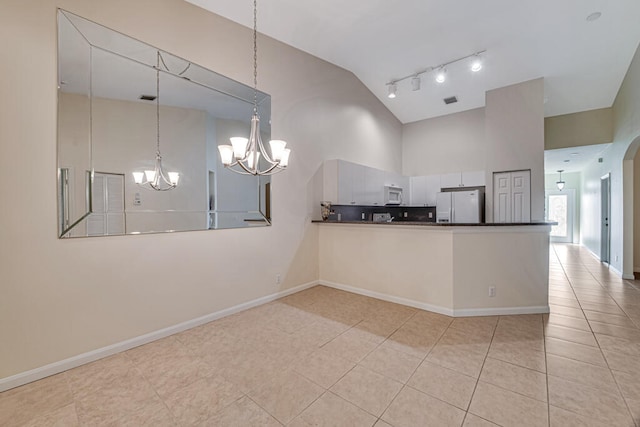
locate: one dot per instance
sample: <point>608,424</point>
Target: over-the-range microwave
<point>392,195</point>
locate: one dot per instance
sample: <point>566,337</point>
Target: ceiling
<point>583,62</point>
<point>572,159</point>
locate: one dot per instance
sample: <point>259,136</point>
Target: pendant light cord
<point>255,56</point>
<point>158,105</point>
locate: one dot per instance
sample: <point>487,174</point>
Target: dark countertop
<point>438,224</point>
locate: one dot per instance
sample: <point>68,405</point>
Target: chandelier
<point>243,155</point>
<point>560,182</point>
<point>157,179</point>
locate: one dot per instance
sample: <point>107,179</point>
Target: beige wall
<point>514,123</point>
<point>452,143</point>
<point>444,269</point>
<point>636,212</point>
<point>578,129</point>
<point>61,298</point>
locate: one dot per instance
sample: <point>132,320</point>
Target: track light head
<point>476,64</point>
<point>393,89</point>
<point>441,75</point>
<point>415,83</point>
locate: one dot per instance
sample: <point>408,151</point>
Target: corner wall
<point>61,298</point>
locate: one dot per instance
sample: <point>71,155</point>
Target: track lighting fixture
<point>415,83</point>
<point>393,88</point>
<point>440,70</point>
<point>476,64</point>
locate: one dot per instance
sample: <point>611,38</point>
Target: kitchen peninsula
<point>453,269</point>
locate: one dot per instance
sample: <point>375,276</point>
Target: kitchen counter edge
<point>438,224</point>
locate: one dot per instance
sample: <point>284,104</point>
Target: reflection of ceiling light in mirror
<point>243,155</point>
<point>157,178</point>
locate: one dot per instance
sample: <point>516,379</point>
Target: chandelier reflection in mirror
<point>243,155</point>
<point>157,178</point>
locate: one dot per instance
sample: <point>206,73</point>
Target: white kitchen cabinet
<point>373,187</point>
<point>351,180</point>
<point>424,189</point>
<point>462,179</point>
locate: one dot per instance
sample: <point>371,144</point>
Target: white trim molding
<point>463,312</point>
<point>84,358</point>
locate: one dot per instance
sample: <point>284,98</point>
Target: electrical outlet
<point>430,214</point>
<point>492,291</point>
<point>278,279</point>
<point>363,215</point>
<point>405,214</point>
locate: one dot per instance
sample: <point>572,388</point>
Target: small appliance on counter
<point>462,207</point>
<point>382,217</point>
<point>392,195</point>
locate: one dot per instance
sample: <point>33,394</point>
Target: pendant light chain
<point>158,105</point>
<point>255,56</point>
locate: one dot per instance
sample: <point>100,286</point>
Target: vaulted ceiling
<point>582,61</point>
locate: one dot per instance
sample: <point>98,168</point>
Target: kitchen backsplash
<point>398,213</point>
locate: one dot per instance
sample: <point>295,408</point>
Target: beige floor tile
<point>629,383</point>
<point>602,308</point>
<point>413,408</point>
<point>33,400</point>
<point>367,389</point>
<point>199,401</point>
<point>332,411</point>
<point>634,408</point>
<point>410,342</point>
<point>570,334</point>
<point>475,421</point>
<point>320,332</point>
<point>571,350</point>
<point>166,347</point>
<point>588,402</point>
<point>458,359</point>
<point>631,334</point>
<point>565,302</point>
<point>619,345</point>
<point>581,373</point>
<point>382,423</point>
<point>168,374</point>
<point>242,413</point>
<point>350,348</point>
<point>155,414</point>
<point>507,408</point>
<point>111,401</point>
<point>323,368</point>
<point>569,322</point>
<point>62,417</point>
<point>622,362</point>
<point>249,370</point>
<point>566,311</point>
<point>515,378</point>
<point>286,395</point>
<point>445,384</point>
<point>479,326</point>
<point>559,417</point>
<point>391,363</point>
<point>376,330</point>
<point>518,354</point>
<point>99,374</point>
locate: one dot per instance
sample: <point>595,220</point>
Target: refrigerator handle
<point>453,214</point>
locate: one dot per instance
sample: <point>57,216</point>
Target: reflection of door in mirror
<point>107,205</point>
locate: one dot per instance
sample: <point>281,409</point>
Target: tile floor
<point>324,357</point>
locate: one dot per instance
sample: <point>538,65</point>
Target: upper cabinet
<point>462,179</point>
<point>424,190</point>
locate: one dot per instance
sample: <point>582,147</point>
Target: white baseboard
<point>81,359</point>
<point>464,312</point>
<point>390,298</point>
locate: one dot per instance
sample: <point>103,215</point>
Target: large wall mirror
<point>119,99</point>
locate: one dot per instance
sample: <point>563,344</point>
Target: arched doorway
<point>631,209</point>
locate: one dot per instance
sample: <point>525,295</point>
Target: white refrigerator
<point>462,207</point>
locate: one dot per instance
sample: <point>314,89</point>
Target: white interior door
<point>502,197</point>
<point>521,196</point>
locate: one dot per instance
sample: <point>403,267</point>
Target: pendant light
<point>243,155</point>
<point>157,179</point>
<point>560,182</point>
